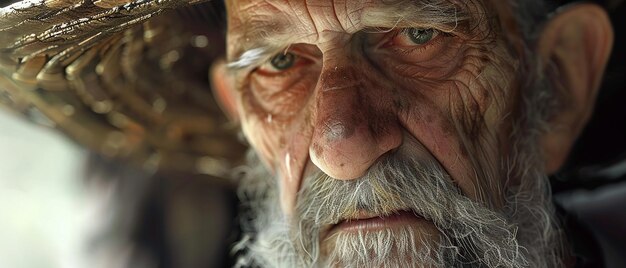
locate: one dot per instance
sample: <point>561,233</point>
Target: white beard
<point>467,234</point>
<point>402,247</point>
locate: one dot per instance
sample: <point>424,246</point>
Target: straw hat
<point>125,78</point>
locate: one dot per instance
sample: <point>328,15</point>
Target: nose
<point>353,125</point>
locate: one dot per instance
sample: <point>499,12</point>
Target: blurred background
<point>62,206</point>
<point>40,195</point>
<point>591,187</point>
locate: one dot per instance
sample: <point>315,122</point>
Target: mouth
<point>364,222</point>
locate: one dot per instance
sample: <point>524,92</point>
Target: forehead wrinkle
<point>271,32</point>
<point>269,25</point>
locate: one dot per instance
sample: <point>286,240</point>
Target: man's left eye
<point>420,36</point>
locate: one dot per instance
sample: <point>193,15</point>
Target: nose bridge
<point>352,130</point>
<point>340,104</point>
<point>340,93</point>
<point>339,71</point>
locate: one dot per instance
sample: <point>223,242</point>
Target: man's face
<point>370,96</point>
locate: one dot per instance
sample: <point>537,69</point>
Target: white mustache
<point>398,182</point>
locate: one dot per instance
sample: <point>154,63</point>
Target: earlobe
<point>574,46</point>
<point>223,89</point>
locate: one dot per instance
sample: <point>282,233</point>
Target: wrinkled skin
<point>357,88</point>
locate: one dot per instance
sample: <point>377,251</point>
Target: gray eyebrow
<point>257,55</point>
<point>249,58</point>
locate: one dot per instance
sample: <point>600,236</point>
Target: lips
<point>369,222</point>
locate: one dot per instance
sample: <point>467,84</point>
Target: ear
<point>224,89</point>
<point>576,42</point>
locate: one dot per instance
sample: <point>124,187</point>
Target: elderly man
<point>408,133</point>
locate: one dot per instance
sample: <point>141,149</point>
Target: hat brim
<point>127,79</point>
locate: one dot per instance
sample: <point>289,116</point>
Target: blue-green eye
<point>283,61</point>
<point>420,36</point>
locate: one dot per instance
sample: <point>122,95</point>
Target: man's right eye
<point>283,61</point>
<point>279,63</point>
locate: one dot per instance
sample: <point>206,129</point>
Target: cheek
<point>502,87</point>
<point>280,139</point>
<point>282,145</point>
<point>460,120</point>
<point>432,125</point>
<point>260,128</point>
<point>481,109</point>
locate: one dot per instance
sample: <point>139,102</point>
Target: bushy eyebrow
<point>441,14</point>
<point>259,44</point>
<point>249,58</point>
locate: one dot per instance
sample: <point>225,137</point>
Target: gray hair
<point>538,104</point>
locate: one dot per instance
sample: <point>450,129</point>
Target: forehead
<point>349,12</point>
<point>304,20</point>
<point>264,27</point>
